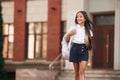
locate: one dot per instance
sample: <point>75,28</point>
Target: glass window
<point>63,28</point>
<point>31,46</point>
<point>44,40</point>
<point>103,20</point>
<point>37,40</point>
<point>38,47</point>
<point>8,32</point>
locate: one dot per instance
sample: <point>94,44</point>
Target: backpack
<point>65,49</point>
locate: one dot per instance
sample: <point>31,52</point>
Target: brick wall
<point>54,32</point>
<point>20,31</point>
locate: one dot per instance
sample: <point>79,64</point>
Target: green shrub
<point>2,72</point>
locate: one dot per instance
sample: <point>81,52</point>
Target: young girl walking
<point>81,34</point>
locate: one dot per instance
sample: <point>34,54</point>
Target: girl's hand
<point>89,62</point>
<point>72,32</point>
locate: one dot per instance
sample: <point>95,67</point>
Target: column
<point>117,37</point>
<point>54,29</point>
<point>20,34</point>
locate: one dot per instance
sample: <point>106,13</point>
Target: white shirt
<point>80,35</point>
<point>77,38</point>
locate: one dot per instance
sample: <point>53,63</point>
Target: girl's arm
<point>68,37</point>
<point>72,32</point>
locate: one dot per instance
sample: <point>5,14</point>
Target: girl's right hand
<point>72,32</point>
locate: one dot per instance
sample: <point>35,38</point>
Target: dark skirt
<point>78,53</point>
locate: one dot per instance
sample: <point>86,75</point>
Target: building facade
<point>33,30</point>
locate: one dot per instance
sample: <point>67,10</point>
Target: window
<point>104,20</point>
<point>8,32</point>
<point>63,27</point>
<point>37,40</point>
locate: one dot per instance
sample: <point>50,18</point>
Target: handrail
<point>55,67</point>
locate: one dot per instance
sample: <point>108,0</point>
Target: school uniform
<point>78,50</point>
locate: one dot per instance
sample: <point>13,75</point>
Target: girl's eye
<point>79,16</point>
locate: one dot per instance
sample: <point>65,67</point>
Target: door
<point>103,52</point>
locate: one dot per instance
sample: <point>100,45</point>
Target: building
<point>33,30</point>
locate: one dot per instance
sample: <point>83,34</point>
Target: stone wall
<point>31,74</point>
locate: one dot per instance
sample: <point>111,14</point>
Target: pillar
<point>117,37</point>
<point>54,30</point>
<point>20,37</point>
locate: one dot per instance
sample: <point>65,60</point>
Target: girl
<point>81,34</point>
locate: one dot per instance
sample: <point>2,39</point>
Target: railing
<point>55,67</point>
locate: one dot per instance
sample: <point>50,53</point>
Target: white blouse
<point>79,37</point>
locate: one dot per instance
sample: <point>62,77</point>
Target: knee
<point>82,71</point>
<point>77,73</point>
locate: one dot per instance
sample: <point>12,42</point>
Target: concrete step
<point>91,75</point>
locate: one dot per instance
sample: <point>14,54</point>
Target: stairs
<point>91,75</point>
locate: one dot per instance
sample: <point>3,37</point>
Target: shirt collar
<point>80,26</point>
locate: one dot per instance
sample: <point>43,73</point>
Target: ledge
<point>39,64</point>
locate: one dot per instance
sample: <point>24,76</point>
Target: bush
<point>2,72</point>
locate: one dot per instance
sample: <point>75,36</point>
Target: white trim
<point>117,38</point>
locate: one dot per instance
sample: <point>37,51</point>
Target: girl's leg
<point>89,60</point>
<point>76,69</point>
<point>82,70</point>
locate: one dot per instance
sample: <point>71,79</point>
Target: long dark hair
<point>88,26</point>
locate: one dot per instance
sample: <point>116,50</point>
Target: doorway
<point>103,53</point>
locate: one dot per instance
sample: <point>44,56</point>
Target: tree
<point>2,72</point>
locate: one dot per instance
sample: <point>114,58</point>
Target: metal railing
<point>55,67</point>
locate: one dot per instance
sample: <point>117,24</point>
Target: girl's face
<point>80,18</point>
